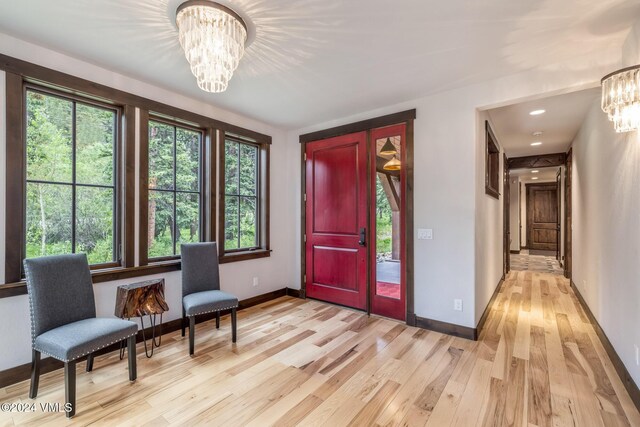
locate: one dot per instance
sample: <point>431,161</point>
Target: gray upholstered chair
<point>201,288</point>
<point>63,320</point>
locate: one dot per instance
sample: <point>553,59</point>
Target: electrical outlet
<point>637,355</point>
<point>256,282</point>
<point>457,304</point>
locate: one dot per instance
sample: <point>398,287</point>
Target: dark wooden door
<point>336,220</point>
<point>542,216</point>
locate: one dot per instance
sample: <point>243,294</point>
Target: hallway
<point>550,368</point>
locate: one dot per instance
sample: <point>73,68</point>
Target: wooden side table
<point>142,299</point>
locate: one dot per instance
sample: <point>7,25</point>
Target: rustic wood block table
<point>142,299</point>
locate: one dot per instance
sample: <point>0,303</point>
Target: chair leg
<point>217,320</point>
<point>131,351</point>
<point>90,362</point>
<point>70,388</point>
<point>234,325</point>
<point>192,333</point>
<point>183,321</point>
<point>35,374</point>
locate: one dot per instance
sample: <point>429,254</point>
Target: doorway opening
<point>536,136</point>
<point>539,213</point>
<point>357,216</point>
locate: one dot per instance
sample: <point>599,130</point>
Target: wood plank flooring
<point>538,363</point>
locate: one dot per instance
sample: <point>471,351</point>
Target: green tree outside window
<point>70,186</point>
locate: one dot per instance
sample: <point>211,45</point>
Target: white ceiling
<point>317,60</point>
<point>514,127</point>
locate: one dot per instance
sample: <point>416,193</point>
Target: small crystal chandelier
<point>213,38</point>
<point>621,98</point>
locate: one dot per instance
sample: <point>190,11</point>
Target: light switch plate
<point>457,304</point>
<point>425,234</point>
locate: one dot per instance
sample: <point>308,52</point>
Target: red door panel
<point>388,289</point>
<point>336,211</point>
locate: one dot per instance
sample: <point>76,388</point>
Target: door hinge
<point>305,197</point>
<point>305,238</point>
<point>305,278</point>
<point>305,157</point>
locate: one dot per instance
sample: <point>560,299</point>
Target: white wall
<point>274,273</point>
<point>514,213</point>
<point>606,230</point>
<point>489,224</point>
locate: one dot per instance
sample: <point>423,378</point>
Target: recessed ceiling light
<point>536,143</point>
<point>535,177</point>
<point>537,112</point>
<point>535,171</point>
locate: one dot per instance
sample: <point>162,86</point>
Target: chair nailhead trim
<point>29,292</point>
<point>211,311</point>
<point>89,352</point>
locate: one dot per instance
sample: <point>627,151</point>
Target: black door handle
<point>363,237</point>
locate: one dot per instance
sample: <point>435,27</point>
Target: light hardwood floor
<point>538,363</point>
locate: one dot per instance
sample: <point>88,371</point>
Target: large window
<point>241,176</point>
<point>126,180</point>
<point>244,199</point>
<point>71,179</point>
<point>175,196</point>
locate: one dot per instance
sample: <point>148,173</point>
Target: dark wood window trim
<point>262,250</point>
<point>15,226</point>
<point>17,73</point>
<point>492,163</point>
<point>15,173</point>
<point>49,77</point>
<point>128,179</point>
<point>204,212</point>
<point>100,276</point>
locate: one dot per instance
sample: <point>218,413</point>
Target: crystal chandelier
<point>621,98</point>
<point>213,38</point>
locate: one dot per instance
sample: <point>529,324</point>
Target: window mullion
<point>73,177</point>
<point>175,189</point>
<point>239,196</point>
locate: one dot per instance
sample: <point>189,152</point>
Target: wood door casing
<point>506,201</point>
<point>542,216</point>
<point>568,221</point>
<point>558,225</point>
<point>336,212</point>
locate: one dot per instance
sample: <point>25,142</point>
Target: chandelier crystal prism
<point>621,98</point>
<point>213,39</point>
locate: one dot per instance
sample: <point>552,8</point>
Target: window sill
<point>243,256</point>
<point>100,276</point>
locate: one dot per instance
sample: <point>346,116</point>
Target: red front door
<point>336,211</point>
<point>387,246</point>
